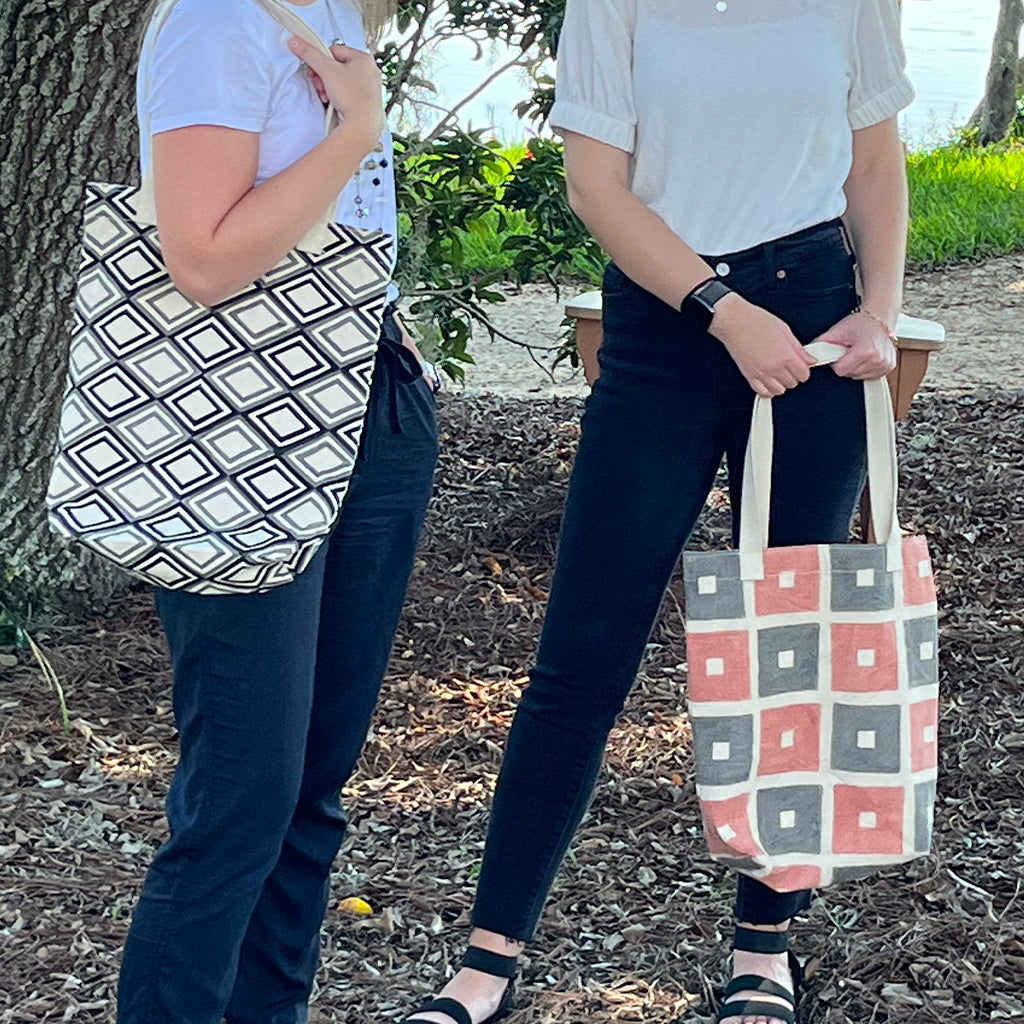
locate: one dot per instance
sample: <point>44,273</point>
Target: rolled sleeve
<point>594,85</point>
<point>880,88</point>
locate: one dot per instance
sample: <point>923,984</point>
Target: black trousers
<point>273,695</point>
<point>668,405</point>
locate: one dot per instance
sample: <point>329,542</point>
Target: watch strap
<point>700,303</point>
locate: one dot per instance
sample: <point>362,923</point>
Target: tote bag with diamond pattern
<point>210,449</point>
<point>813,683</point>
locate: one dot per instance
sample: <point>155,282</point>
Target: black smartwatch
<point>701,302</point>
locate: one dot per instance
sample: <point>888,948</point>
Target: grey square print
<point>924,812</point>
<point>922,640</point>
<point>866,739</point>
<point>787,659</point>
<point>789,819</point>
<point>860,581</point>
<point>713,587</point>
<point>723,749</point>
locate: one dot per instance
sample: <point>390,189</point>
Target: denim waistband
<point>805,238</point>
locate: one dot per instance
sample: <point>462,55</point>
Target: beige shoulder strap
<point>882,473</point>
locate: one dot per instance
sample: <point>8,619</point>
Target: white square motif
<point>866,657</point>
<point>721,751</point>
<point>927,650</point>
<point>866,739</point>
<point>715,666</point>
<point>787,739</point>
<point>172,305</point>
<point>787,819</point>
<point>865,577</point>
<point>924,568</point>
<point>867,819</point>
<point>787,659</point>
<point>707,584</point>
<point>271,484</point>
<point>727,832</point>
<point>928,734</point>
<point>787,580</point>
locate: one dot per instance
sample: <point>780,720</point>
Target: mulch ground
<point>637,926</point>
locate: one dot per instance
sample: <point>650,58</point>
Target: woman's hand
<point>870,350</point>
<point>351,82</point>
<point>762,346</point>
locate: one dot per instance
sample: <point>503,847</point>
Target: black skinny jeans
<point>669,403</point>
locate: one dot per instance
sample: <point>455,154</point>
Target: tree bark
<point>66,116</point>
<point>1000,104</point>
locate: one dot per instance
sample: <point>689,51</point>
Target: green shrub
<point>965,204</point>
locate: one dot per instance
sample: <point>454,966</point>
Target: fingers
<point>860,365</point>
<point>316,59</point>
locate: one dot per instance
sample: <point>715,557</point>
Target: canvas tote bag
<point>813,683</point>
<point>210,449</point>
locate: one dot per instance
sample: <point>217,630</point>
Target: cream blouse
<point>738,114</point>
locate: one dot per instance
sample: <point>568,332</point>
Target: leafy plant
<point>455,185</point>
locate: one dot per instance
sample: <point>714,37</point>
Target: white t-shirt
<point>227,62</point>
<point>739,114</point>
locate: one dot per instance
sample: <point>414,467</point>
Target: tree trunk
<point>1000,103</point>
<point>66,115</point>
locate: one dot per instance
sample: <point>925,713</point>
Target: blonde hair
<point>376,14</point>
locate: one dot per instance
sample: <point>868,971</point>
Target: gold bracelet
<point>881,323</point>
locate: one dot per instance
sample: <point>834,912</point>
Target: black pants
<point>669,403</point>
<point>273,695</point>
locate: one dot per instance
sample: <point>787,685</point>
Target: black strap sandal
<point>748,940</point>
<point>487,963</point>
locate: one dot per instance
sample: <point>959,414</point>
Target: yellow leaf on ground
<point>354,905</point>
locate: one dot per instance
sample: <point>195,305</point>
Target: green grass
<point>965,204</point>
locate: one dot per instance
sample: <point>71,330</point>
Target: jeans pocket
<point>615,282</point>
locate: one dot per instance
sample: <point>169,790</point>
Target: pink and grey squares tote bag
<point>813,683</point>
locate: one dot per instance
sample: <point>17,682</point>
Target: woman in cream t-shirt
<point>712,147</point>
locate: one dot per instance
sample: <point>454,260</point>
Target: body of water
<point>949,43</point>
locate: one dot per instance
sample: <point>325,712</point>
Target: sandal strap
<point>483,960</point>
<point>755,983</point>
<point>451,1007</point>
<point>756,1008</point>
<point>796,970</point>
<point>750,940</point>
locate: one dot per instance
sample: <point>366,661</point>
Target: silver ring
<point>338,42</point>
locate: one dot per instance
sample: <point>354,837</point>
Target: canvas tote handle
<point>318,236</point>
<point>882,472</point>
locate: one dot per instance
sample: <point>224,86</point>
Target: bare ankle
<point>494,942</point>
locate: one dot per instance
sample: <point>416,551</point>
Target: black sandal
<point>748,940</point>
<point>486,962</point>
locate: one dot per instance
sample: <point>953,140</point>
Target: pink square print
<point>924,735</point>
<point>790,740</point>
<point>791,582</point>
<point>719,666</point>
<point>727,827</point>
<point>864,657</point>
<point>790,879</point>
<point>918,581</point>
<point>868,819</point>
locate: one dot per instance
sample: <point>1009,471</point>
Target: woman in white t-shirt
<point>273,692</point>
<point>711,147</point>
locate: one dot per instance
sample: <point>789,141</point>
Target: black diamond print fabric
<point>210,449</point>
